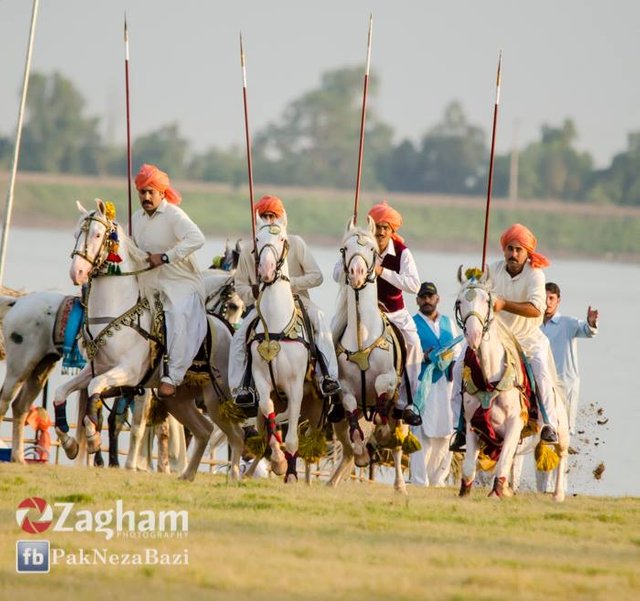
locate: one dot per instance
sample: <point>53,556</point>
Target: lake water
<point>39,260</point>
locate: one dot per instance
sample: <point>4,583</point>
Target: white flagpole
<point>16,150</point>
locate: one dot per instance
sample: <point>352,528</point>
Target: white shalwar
<point>169,230</point>
<point>304,273</point>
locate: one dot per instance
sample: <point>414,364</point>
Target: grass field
<point>262,540</point>
<point>430,222</point>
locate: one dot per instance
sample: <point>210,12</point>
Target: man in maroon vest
<point>396,273</point>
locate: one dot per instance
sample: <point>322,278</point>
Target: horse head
<point>359,252</point>
<point>272,247</point>
<point>91,249</point>
<point>474,306</point>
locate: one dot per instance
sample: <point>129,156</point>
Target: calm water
<point>39,260</point>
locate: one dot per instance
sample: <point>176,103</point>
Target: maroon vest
<point>388,295</point>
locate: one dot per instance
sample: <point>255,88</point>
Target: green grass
<point>433,222</point>
<point>265,540</point>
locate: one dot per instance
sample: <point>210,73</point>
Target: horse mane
<point>137,255</point>
<point>340,319</point>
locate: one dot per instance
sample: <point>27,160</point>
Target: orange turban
<point>150,176</point>
<point>382,212</point>
<point>525,238</point>
<point>270,204</point>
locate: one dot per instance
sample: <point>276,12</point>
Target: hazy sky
<point>573,58</point>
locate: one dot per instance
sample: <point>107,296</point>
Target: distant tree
<point>165,148</point>
<point>401,169</point>
<point>56,135</point>
<point>316,141</point>
<point>453,156</point>
<point>219,166</point>
<point>553,168</point>
<point>620,183</point>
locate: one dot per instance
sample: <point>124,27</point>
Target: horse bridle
<point>370,267</point>
<point>280,259</point>
<point>485,320</point>
<point>98,260</point>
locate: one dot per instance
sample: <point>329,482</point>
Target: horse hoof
<point>465,488</point>
<point>93,436</point>
<point>187,476</point>
<point>69,444</point>
<point>279,467</point>
<point>290,478</point>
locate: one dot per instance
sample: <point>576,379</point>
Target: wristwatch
<point>164,257</point>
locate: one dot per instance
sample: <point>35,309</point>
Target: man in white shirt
<point>518,282</point>
<point>562,332</point>
<point>170,238</point>
<point>304,274</point>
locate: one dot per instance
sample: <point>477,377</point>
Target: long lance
<point>249,161</point>
<point>16,149</point>
<point>363,117</point>
<point>491,157</point>
<point>126,86</point>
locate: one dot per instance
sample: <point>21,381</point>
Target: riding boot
<point>336,409</point>
<point>408,415</point>
<point>60,411</point>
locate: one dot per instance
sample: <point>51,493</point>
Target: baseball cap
<point>427,288</point>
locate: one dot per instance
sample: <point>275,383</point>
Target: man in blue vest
<point>430,466</point>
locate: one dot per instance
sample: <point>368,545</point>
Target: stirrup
<point>329,386</point>
<point>548,434</point>
<point>336,411</point>
<point>458,442</point>
<point>245,398</point>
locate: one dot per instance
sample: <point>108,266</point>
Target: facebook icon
<point>32,556</point>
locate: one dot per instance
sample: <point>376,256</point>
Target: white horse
<point>279,350</point>
<point>369,358</point>
<point>492,386</point>
<point>32,351</point>
<point>118,324</point>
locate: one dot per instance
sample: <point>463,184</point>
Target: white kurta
<point>304,273</point>
<point>169,230</point>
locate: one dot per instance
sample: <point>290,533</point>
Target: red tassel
<point>114,258</point>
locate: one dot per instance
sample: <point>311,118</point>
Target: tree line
<point>314,143</point>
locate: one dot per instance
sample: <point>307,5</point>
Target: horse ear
<point>350,225</point>
<point>101,206</point>
<point>461,277</point>
<point>283,220</point>
<point>372,225</point>
<point>81,208</point>
<point>259,222</point>
<point>238,247</point>
<point>484,278</point>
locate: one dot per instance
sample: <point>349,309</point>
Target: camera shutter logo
<point>34,515</point>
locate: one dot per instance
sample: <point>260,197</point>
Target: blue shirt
<point>562,332</point>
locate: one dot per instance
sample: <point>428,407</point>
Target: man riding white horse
<point>519,284</point>
<point>170,238</point>
<point>396,273</point>
<point>304,274</point>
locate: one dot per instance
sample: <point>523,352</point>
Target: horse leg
<point>512,428</point>
<point>162,434</point>
<point>233,432</point>
<point>294,394</point>
<point>22,403</point>
<point>278,459</point>
<point>346,464</point>
<point>184,409</point>
<point>398,483</point>
<point>70,445</point>
<point>469,463</point>
<point>138,424</point>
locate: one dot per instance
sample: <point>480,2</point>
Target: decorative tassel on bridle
<point>113,243</point>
